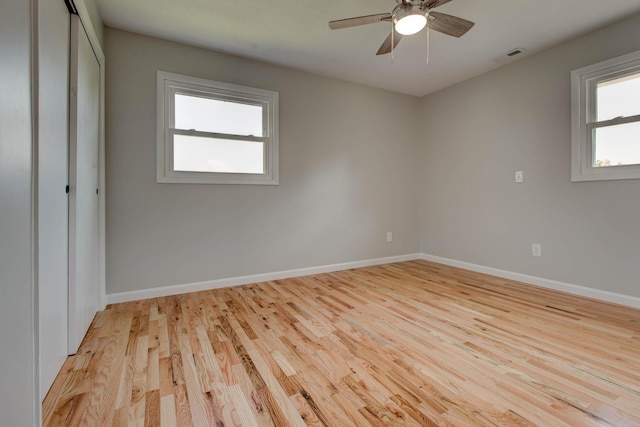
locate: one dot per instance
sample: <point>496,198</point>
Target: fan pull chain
<point>393,36</point>
<point>428,40</point>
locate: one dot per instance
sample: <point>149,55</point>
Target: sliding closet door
<point>84,181</point>
<point>53,204</point>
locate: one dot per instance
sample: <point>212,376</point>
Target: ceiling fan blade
<point>450,25</point>
<point>432,4</point>
<point>360,20</point>
<point>386,45</point>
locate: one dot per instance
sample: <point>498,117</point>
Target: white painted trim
<point>34,86</point>
<point>245,280</point>
<point>598,294</point>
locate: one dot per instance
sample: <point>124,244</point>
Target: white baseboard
<point>602,295</point>
<point>599,294</point>
<point>245,280</point>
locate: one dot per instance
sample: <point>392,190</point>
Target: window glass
<point>618,98</point>
<point>218,116</point>
<point>617,145</point>
<point>198,154</point>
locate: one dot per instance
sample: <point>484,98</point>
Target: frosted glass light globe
<point>411,24</point>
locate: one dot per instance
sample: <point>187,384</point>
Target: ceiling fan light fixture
<point>408,20</point>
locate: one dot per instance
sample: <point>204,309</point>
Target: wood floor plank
<point>168,411</point>
<point>406,344</point>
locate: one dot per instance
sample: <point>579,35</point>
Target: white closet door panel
<point>83,174</point>
<point>53,205</point>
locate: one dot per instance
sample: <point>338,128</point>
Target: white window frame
<point>584,83</point>
<point>168,84</point>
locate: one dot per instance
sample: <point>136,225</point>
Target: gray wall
<point>347,175</point>
<point>18,387</point>
<point>357,162</point>
<point>476,134</point>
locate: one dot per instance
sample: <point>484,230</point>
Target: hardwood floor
<point>412,343</point>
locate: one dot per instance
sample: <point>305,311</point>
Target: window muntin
<point>218,133</point>
<point>606,120</point>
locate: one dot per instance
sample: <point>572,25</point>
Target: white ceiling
<point>295,33</point>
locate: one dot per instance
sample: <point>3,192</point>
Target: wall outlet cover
<point>536,249</point>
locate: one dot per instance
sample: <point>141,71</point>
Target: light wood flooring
<point>412,343</point>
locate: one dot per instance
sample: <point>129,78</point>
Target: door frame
<point>85,21</point>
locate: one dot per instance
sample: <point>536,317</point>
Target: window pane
<point>197,154</point>
<point>213,115</point>
<point>619,97</point>
<point>617,145</point>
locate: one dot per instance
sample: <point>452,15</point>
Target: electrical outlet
<point>519,177</point>
<point>536,249</point>
<point>389,236</point>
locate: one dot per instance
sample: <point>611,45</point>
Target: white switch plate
<point>519,176</point>
<point>536,249</point>
<point>389,236</point>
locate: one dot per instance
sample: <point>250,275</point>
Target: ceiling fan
<point>409,17</point>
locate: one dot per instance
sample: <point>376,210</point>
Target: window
<point>606,120</point>
<point>215,133</point>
